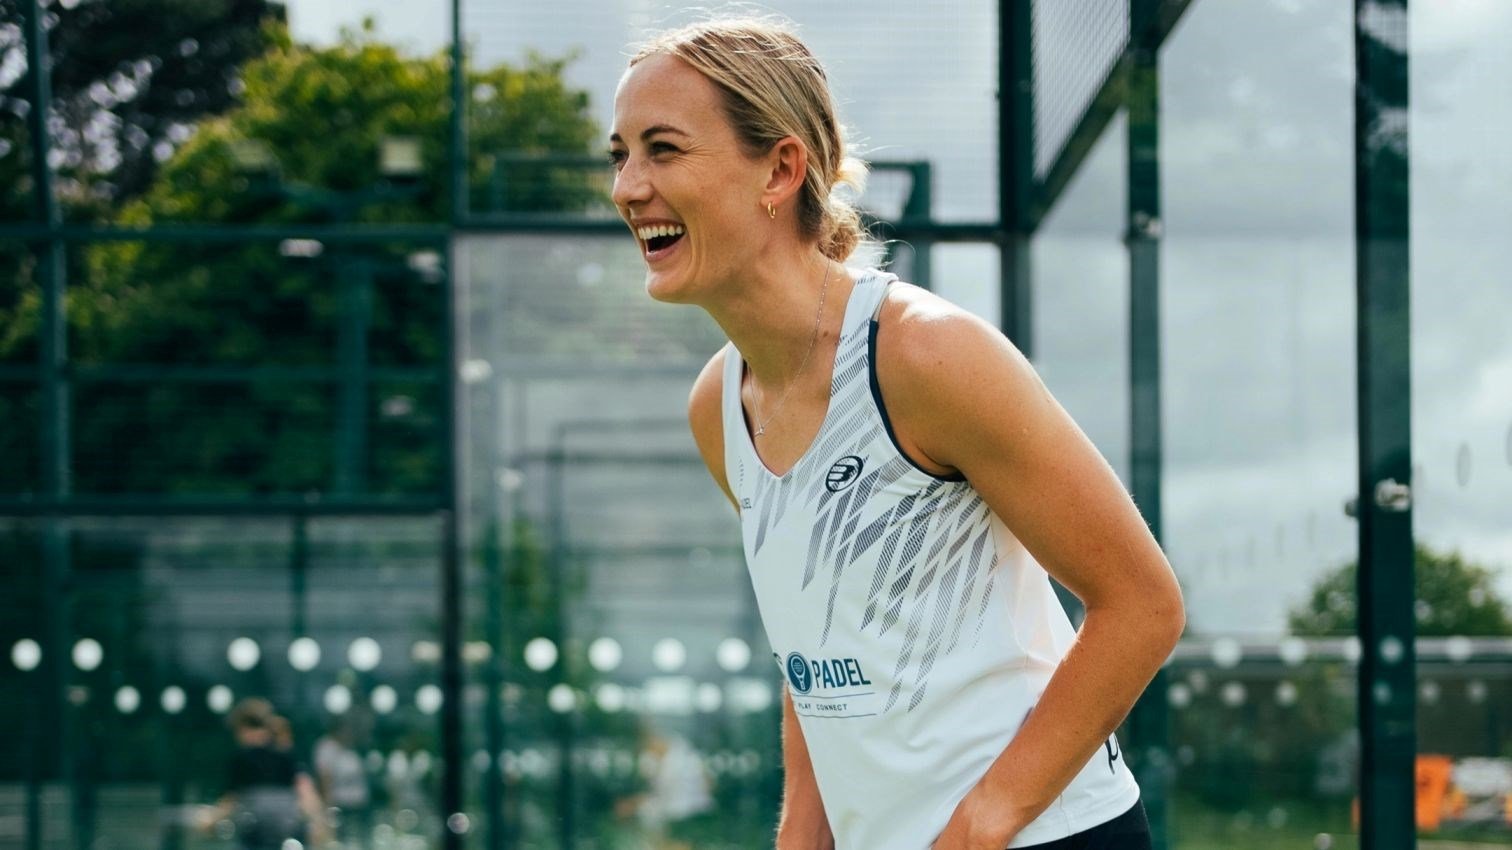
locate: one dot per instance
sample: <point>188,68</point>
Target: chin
<point>668,289</point>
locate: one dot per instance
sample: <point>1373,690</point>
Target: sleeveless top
<point>913,630</point>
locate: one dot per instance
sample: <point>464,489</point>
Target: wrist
<point>992,815</point>
<point>804,834</point>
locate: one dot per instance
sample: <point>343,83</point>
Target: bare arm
<point>964,399</point>
<point>311,807</point>
<point>802,825</point>
<point>208,816</point>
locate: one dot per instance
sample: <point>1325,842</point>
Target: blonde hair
<point>774,87</point>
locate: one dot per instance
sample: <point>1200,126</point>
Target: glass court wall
<point>1257,301</point>
<point>1462,400</point>
<point>374,420</point>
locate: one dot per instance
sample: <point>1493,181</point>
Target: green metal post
<point>299,566</point>
<point>1015,169</point>
<point>355,280</point>
<point>1149,723</point>
<point>52,379</point>
<point>171,777</point>
<point>563,722</point>
<point>919,207</point>
<point>493,679</point>
<point>458,158</point>
<point>452,789</point>
<point>1387,687</point>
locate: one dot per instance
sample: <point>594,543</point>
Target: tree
<point>1454,597</point>
<point>321,113</point>
<point>129,79</point>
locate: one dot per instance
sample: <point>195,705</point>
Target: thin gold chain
<point>813,339</point>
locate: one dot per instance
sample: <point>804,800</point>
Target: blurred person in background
<point>267,796</point>
<point>343,779</point>
<point>676,804</point>
<point>283,733</point>
<point>937,695</point>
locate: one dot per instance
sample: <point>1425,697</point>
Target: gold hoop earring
<point>771,211</point>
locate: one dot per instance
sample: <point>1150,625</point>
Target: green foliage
<point>1263,749</point>
<point>322,113</point>
<point>1454,597</point>
<point>128,77</point>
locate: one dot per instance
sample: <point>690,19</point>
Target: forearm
<point>1116,654</point>
<point>802,824</point>
<point>208,816</point>
<point>311,805</point>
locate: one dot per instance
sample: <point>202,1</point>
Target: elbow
<point>1156,621</point>
<point>1172,618</point>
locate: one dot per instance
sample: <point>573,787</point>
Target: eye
<point>662,147</point>
<point>617,158</point>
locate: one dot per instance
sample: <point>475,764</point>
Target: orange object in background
<point>1438,798</point>
<point>1432,777</point>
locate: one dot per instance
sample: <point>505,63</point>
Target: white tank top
<point>913,630</point>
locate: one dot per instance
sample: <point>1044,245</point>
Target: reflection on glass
<point>428,699</point>
<point>669,655</point>
<point>87,654</point>
<point>605,654</point>
<point>383,699</point>
<point>304,654</point>
<point>219,699</point>
<point>127,699</point>
<point>243,653</point>
<point>733,654</point>
<point>26,654</point>
<point>364,654</point>
<point>173,699</point>
<point>540,654</point>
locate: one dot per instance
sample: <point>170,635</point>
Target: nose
<point>631,184</point>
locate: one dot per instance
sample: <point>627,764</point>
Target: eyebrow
<point>647,133</point>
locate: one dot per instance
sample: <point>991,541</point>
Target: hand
<point>977,824</point>
<point>206,817</point>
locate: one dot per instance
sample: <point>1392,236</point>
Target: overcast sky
<point>1258,260</point>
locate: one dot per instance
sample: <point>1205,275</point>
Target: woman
<point>268,796</point>
<point>936,694</point>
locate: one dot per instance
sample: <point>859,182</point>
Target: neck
<point>770,312</point>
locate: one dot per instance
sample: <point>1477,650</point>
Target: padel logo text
<point>804,675</point>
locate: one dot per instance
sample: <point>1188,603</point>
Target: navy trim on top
<point>876,391</point>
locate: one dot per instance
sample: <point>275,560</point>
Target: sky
<point>1257,261</point>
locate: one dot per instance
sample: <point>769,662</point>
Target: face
<point>683,184</point>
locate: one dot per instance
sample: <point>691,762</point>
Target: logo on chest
<point>843,473</point>
<point>804,674</point>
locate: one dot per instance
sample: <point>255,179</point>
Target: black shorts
<point>1128,831</point>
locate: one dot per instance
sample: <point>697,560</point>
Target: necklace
<point>814,338</point>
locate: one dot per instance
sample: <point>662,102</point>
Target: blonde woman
<point>904,483</point>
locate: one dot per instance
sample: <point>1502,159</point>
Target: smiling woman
<point>900,552</point>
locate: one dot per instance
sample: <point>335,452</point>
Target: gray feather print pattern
<point>935,558</point>
<point>970,586</point>
<point>957,523</point>
<point>857,544</point>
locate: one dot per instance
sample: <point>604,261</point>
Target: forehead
<point>664,89</point>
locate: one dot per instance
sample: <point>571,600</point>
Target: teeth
<point>656,230</point>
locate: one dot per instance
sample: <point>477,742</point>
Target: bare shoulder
<point>706,417</point>
<point>940,369</point>
<point>919,329</point>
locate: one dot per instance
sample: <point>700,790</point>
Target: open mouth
<point>659,243</point>
<point>659,238</point>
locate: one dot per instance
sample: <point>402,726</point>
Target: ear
<point>788,166</point>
